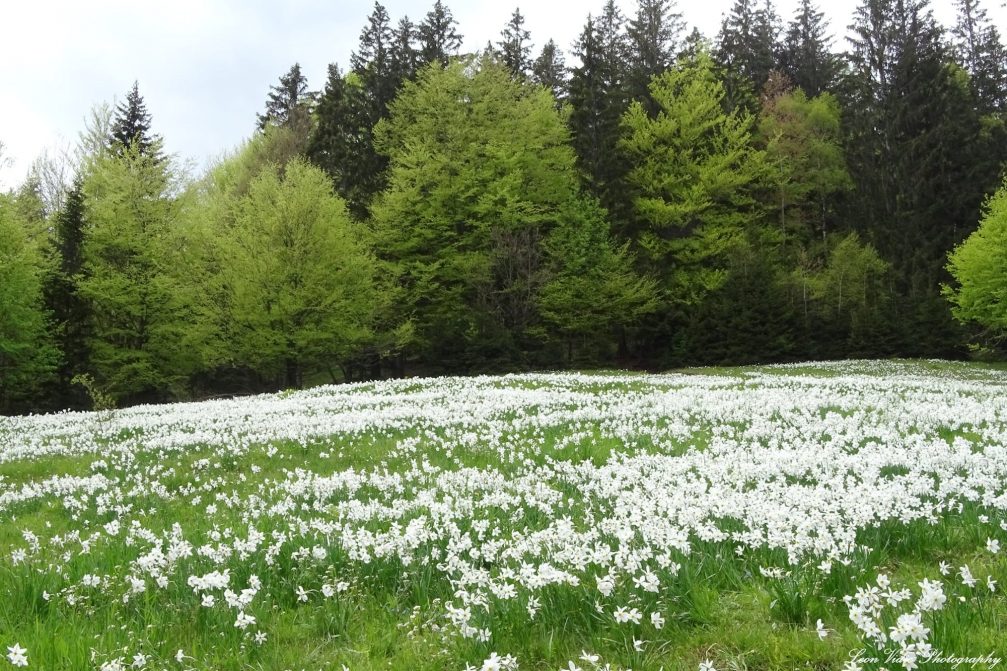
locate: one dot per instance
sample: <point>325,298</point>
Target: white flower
<point>179,656</point>
<point>657,620</point>
<point>621,615</point>
<point>589,658</point>
<point>492,663</point>
<point>302,596</point>
<point>945,568</point>
<point>966,576</point>
<point>992,545</point>
<point>244,620</point>
<point>260,637</point>
<point>208,601</point>
<point>822,631</point>
<point>139,660</point>
<point>991,583</point>
<point>638,645</point>
<point>17,655</point>
<point>707,665</point>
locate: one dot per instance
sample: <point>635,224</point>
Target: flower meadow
<point>834,515</point>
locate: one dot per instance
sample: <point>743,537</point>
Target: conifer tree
<point>806,56</point>
<point>598,97</point>
<point>550,70</point>
<point>653,43</point>
<point>748,45</point>
<point>514,46</point>
<point>438,37</point>
<point>131,126</point>
<point>913,129</point>
<point>289,103</point>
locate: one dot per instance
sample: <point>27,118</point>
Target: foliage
<point>979,267</point>
<point>482,203</point>
<point>27,353</point>
<point>130,260</point>
<point>695,174</point>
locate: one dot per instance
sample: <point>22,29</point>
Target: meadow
<point>816,516</point>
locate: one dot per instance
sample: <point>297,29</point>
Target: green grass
<point>718,606</point>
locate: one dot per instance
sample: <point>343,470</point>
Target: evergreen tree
<point>338,141</point>
<point>131,126</point>
<point>550,71</point>
<point>748,46</point>
<point>806,56</point>
<point>981,52</point>
<point>514,46</point>
<point>598,97</point>
<point>438,37</point>
<point>69,310</point>
<point>913,129</point>
<point>696,175</point>
<point>653,42</point>
<point>404,56</point>
<point>289,103</point>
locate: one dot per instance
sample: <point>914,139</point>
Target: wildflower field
<point>818,516</point>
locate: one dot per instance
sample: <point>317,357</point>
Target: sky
<point>204,67</point>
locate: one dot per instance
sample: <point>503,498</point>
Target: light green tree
<point>27,354</point>
<point>695,176</point>
<point>979,267</point>
<point>129,279</point>
<point>286,286</point>
<point>482,191</point>
<point>804,151</point>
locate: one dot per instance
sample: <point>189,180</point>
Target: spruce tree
<point>69,311</point>
<point>550,70</point>
<point>405,59</point>
<point>598,97</point>
<point>514,46</point>
<point>806,56</point>
<point>912,141</point>
<point>131,126</point>
<point>748,45</point>
<point>979,49</point>
<point>653,43</point>
<point>289,103</point>
<point>438,37</point>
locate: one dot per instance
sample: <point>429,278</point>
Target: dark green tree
<point>806,57</point>
<point>653,39</point>
<point>404,55</point>
<point>550,70</point>
<point>69,310</point>
<point>598,97</point>
<point>748,48</point>
<point>438,37</point>
<point>131,126</point>
<point>289,102</point>
<point>514,47</point>
<point>912,130</point>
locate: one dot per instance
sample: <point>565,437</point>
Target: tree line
<point>663,200</point>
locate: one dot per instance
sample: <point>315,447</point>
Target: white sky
<point>205,66</point>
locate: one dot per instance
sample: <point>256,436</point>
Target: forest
<point>655,198</point>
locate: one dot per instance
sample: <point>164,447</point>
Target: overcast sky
<point>205,66</point>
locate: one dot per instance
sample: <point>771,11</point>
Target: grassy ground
<point>93,506</point>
